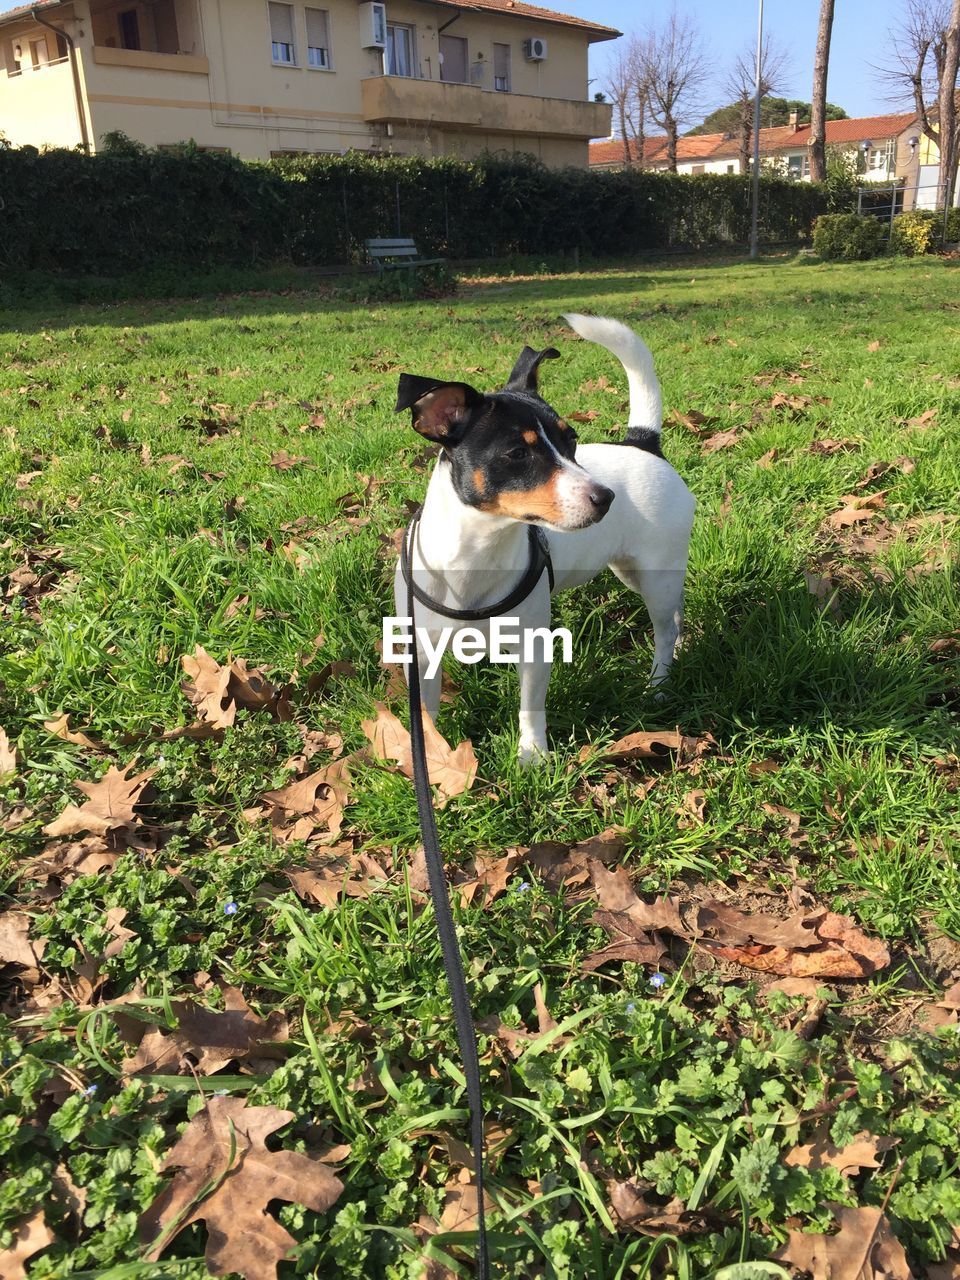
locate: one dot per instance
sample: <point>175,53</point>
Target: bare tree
<point>924,66</point>
<point>673,64</point>
<point>818,106</point>
<point>740,85</point>
<point>628,93</point>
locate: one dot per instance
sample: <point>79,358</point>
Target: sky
<point>860,38</point>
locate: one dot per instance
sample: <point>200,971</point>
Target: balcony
<point>143,60</point>
<point>398,99</point>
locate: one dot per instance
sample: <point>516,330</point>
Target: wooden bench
<point>389,255</point>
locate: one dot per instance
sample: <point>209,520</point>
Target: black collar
<point>539,560</point>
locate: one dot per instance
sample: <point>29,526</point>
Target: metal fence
<point>884,203</point>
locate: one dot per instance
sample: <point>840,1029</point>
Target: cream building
<point>259,78</point>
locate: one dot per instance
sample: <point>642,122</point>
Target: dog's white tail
<point>646,406</point>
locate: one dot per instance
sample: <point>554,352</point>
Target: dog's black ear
<point>526,370</point>
<point>440,409</point>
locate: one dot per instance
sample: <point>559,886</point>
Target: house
<point>887,149</point>
<point>259,78</point>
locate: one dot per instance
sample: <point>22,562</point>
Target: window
<point>398,56</point>
<point>880,157</point>
<point>501,68</point>
<point>453,59</point>
<point>698,168</point>
<point>318,38</point>
<point>798,167</point>
<point>731,168</point>
<point>281,35</point>
<point>129,29</point>
<point>38,53</point>
<point>63,51</point>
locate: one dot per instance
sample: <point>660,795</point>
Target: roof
<point>23,10</point>
<point>517,9</point>
<point>721,146</point>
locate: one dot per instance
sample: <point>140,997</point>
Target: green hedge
<point>128,208</point>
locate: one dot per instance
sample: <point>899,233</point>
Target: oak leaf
<point>860,1153</point>
<point>451,769</point>
<point>60,728</point>
<point>863,1249</point>
<point>207,1039</point>
<point>632,1211</point>
<point>110,807</point>
<point>16,946</point>
<point>29,1237</point>
<point>224,1147</point>
<point>316,801</point>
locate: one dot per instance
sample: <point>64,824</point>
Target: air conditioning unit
<point>535,49</point>
<point>373,26</point>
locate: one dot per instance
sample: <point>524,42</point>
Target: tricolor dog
<point>510,462</point>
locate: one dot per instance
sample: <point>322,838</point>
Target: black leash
<point>449,945</point>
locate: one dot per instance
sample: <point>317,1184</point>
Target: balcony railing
<point>144,60</point>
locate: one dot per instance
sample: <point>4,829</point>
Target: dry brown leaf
<point>317,802</point>
<point>110,806</point>
<point>490,878</point>
<point>874,346</point>
<point>218,693</point>
<point>768,459</point>
<point>16,946</point>
<point>284,461</point>
<point>451,769</point>
<point>632,1211</point>
<point>60,728</point>
<point>241,1235</point>
<point>29,1237</point>
<point>844,951</point>
<point>206,1040</point>
<point>356,875</point>
<point>645,746</point>
<point>735,928</point>
<point>860,1153</point>
<point>693,420</point>
<point>8,758</point>
<point>721,440</point>
<point>833,446</point>
<point>864,1248</point>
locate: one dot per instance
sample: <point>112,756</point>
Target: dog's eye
<point>519,452</point>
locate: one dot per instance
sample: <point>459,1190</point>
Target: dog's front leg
<point>534,679</point>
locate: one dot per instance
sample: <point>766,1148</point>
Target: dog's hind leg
<point>662,592</point>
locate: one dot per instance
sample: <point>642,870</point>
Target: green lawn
<point>142,513</point>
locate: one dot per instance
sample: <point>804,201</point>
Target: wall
<point>224,91</point>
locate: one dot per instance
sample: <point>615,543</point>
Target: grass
<point>152,426</point>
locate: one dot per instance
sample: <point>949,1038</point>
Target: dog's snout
<point>601,497</point>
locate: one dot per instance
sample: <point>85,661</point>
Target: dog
<point>509,461</point>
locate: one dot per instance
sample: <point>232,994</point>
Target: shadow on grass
<point>759,657</point>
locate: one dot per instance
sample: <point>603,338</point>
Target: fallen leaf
<point>284,461</point>
<point>864,1248</point>
<point>860,1153</point>
<point>832,446</point>
<point>874,346</point>
<point>451,769</point>
<point>768,459</point>
<point>646,746</point>
<point>842,951</point>
<point>224,1147</point>
<point>29,1237</point>
<point>8,758</point>
<point>60,728</point>
<point>206,1039</point>
<point>721,440</point>
<point>318,801</point>
<point>219,692</point>
<point>632,1211</point>
<point>16,946</point>
<point>355,875</point>
<point>110,806</point>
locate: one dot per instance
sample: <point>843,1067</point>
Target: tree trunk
<point>947,110</point>
<point>818,126</point>
<point>623,131</point>
<point>671,124</point>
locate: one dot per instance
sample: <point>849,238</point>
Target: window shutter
<point>281,23</point>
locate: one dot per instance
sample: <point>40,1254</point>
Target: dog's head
<point>510,454</point>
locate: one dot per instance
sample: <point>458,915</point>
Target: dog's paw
<point>532,753</point>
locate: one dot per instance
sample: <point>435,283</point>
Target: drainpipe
<point>77,90</point>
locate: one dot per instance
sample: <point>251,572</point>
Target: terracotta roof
<point>23,10</point>
<point>720,146</point>
<point>517,9</point>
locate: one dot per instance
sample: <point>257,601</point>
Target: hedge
<point>128,208</point>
